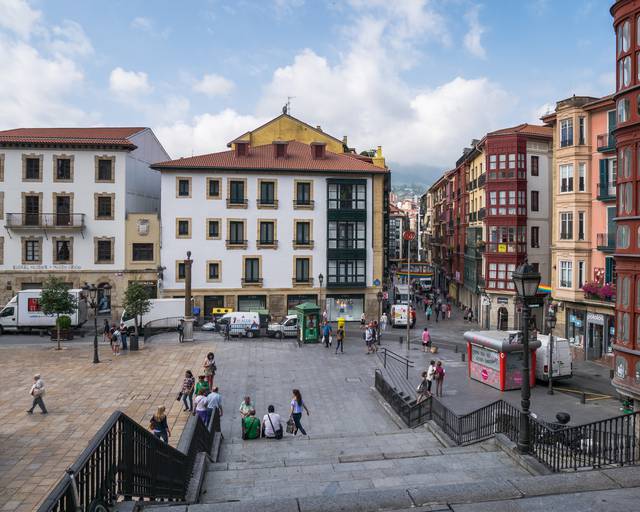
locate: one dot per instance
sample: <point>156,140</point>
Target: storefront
<point>599,335</point>
<point>575,326</point>
<point>252,302</point>
<point>211,302</point>
<point>294,300</point>
<point>349,307</point>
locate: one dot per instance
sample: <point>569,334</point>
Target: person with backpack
<point>340,340</point>
<point>272,424</point>
<point>439,377</point>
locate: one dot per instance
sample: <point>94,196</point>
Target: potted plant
<point>63,324</point>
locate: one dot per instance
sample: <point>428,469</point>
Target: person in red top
<point>439,376</point>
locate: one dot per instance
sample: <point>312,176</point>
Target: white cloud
<point>214,85</point>
<point>124,83</point>
<point>473,38</point>
<point>142,23</point>
<point>34,89</point>
<point>70,39</point>
<point>18,17</point>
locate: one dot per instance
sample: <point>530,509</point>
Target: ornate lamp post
<point>92,290</point>
<point>379,296</point>
<point>485,302</point>
<point>322,306</point>
<point>526,280</point>
<point>188,307</point>
<point>551,324</point>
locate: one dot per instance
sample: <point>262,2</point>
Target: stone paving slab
<point>570,482</point>
<point>357,502</point>
<point>626,477</point>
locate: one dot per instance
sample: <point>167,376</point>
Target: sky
<point>420,78</point>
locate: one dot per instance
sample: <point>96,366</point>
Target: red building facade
<point>626,348</point>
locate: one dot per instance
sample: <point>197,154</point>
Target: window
<point>566,225</point>
<point>535,201</point>
<point>625,290</point>
<point>32,251</point>
<point>213,188</point>
<point>104,207</point>
<point>31,210</point>
<point>104,171</point>
<point>535,166</point>
<point>500,276</point>
<point>213,271</point>
<point>535,237</point>
<point>184,187</point>
<point>624,37</point>
<point>566,133</point>
<point>512,161</point>
<point>581,225</point>
<point>302,270</point>
<point>625,198</point>
<point>347,196</point>
<point>181,271</point>
<point>104,250</point>
<point>252,270</point>
<point>582,177</point>
<point>626,159</point>
<point>236,192</point>
<point>623,110</point>
<point>267,193</point>
<point>183,228</point>
<point>566,178</point>
<point>267,232</point>
<point>32,169</point>
<point>622,237</point>
<point>142,252</point>
<point>347,235</point>
<point>213,229</point>
<point>303,233</point>
<point>493,161</point>
<point>303,194</point>
<point>236,232</point>
<point>624,71</point>
<point>63,168</point>
<point>566,274</point>
<point>62,251</point>
<point>346,272</point>
<point>581,270</point>
<point>581,131</point>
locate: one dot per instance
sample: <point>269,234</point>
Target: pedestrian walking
<point>363,319</point>
<point>188,386</point>
<point>327,335</point>
<point>439,377</point>
<point>429,312</point>
<point>115,342</point>
<point>436,312</point>
<point>340,340</point>
<point>431,373</point>
<point>422,392</point>
<point>448,310</point>
<point>443,311</point>
<point>106,331</point>
<point>383,322</point>
<point>297,405</point>
<point>426,339</point>
<point>159,426</point>
<point>181,330</point>
<point>470,314</point>
<point>201,405</point>
<point>214,401</point>
<point>123,336</point>
<point>37,394</point>
<point>210,368</point>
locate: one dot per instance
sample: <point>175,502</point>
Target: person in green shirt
<point>251,426</point>
<point>202,384</point>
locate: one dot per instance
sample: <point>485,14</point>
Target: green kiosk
<point>308,322</point>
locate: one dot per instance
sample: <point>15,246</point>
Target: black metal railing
<point>45,220</point>
<point>605,142</point>
<point>606,191</point>
<point>237,201</point>
<point>387,355</point>
<point>267,203</point>
<point>303,203</point>
<point>126,461</point>
<point>606,242</point>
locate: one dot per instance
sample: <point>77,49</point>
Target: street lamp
<point>187,333</point>
<point>321,280</point>
<point>485,302</point>
<point>92,290</point>
<point>551,324</point>
<point>526,280</point>
<point>379,296</point>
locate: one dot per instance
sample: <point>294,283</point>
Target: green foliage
<point>64,322</point>
<point>56,299</point>
<point>136,301</point>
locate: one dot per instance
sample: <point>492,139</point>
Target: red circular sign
<point>485,374</point>
<point>409,235</point>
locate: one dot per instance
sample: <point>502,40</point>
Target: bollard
<point>583,398</point>
<point>456,349</point>
<point>462,356</point>
<point>611,373</point>
<point>400,339</point>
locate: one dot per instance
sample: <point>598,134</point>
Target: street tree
<point>56,300</point>
<point>136,303</point>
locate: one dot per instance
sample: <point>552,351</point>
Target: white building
<point>274,224</point>
<point>65,194</point>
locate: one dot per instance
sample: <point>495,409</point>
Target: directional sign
<point>409,235</point>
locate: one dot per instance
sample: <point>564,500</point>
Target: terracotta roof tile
<point>262,158</point>
<point>102,136</point>
<point>526,129</point>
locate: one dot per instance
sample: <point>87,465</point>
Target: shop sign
<point>502,247</point>
<point>47,267</point>
<point>502,300</point>
<point>595,318</point>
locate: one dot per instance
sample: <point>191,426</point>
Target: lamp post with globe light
<point>92,290</point>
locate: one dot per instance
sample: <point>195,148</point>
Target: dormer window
<point>318,150</point>
<point>242,148</point>
<point>280,149</point>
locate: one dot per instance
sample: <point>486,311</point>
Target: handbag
<point>277,433</point>
<point>290,425</point>
<point>179,396</point>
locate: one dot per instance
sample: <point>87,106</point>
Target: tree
<point>56,300</point>
<point>136,302</point>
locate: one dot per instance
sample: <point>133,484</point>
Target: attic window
<point>242,148</point>
<point>280,149</point>
<point>318,150</point>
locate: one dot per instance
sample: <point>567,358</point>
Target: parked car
<point>287,327</point>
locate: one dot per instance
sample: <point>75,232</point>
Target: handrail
<point>407,363</point>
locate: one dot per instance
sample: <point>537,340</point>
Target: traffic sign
<point>409,235</point>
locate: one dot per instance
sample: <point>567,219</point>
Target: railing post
<point>127,453</point>
<point>385,358</point>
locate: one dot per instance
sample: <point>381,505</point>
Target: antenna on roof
<point>287,106</point>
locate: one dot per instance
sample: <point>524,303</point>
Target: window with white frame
<point>582,177</point>
<point>566,132</point>
<point>566,225</point>
<point>566,274</point>
<point>580,273</point>
<point>566,178</point>
<point>623,110</point>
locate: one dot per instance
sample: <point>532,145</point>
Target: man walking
<point>214,401</point>
<point>123,336</point>
<point>326,334</point>
<point>37,392</point>
<point>181,331</point>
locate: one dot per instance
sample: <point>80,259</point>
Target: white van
<point>171,310</point>
<point>288,327</point>
<point>562,366</point>
<point>401,295</point>
<point>241,323</point>
<point>399,315</point>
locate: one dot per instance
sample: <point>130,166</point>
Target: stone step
<point>333,479</point>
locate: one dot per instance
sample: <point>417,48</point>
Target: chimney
<point>318,150</point>
<point>319,128</point>
<point>280,148</point>
<point>242,148</point>
<point>344,140</point>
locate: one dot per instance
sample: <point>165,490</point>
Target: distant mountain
<point>424,175</point>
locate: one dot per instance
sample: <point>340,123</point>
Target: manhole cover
<point>353,379</point>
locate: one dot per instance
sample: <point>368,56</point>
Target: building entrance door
<point>595,337</point>
<point>503,319</point>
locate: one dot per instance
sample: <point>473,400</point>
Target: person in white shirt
<point>214,401</point>
<point>270,422</point>
<point>201,406</point>
<point>431,372</point>
<point>37,392</point>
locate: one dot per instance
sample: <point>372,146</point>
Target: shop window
<point>621,367</point>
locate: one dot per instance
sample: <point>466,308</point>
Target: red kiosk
<point>495,358</point>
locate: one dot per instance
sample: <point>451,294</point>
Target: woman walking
<point>106,331</point>
<point>210,368</point>
<point>297,405</point>
<point>159,425</point>
<point>426,340</point>
<point>439,376</point>
<point>429,312</point>
<point>201,405</point>
<point>188,386</point>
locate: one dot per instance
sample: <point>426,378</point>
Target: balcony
<point>482,180</point>
<point>237,202</point>
<point>302,281</point>
<point>302,244</point>
<point>252,282</point>
<point>606,143</point>
<point>267,244</point>
<point>482,212</point>
<point>236,243</point>
<point>606,242</point>
<point>267,203</point>
<point>303,204</point>
<point>45,221</point>
<point>606,191</point>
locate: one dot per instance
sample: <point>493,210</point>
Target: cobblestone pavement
<point>80,396</point>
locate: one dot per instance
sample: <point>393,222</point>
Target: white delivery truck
<point>401,295</point>
<point>287,327</point>
<point>23,312</point>
<point>562,365</point>
<point>169,310</point>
